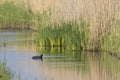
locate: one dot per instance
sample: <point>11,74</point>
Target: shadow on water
<point>17,49</point>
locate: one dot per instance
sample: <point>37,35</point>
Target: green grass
<point>71,35</point>
<point>5,72</point>
<point>110,42</point>
<point>76,35</point>
<point>14,16</point>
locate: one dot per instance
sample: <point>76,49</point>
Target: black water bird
<point>38,57</point>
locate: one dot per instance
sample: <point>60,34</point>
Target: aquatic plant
<point>62,25</point>
<point>5,72</point>
<point>70,34</point>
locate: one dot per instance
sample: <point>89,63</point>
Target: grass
<point>5,73</point>
<point>98,29</point>
<point>110,42</point>
<point>70,34</point>
<point>14,16</point>
<point>77,35</point>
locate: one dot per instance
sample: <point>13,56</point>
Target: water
<point>17,49</point>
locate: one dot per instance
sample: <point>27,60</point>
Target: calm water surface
<point>17,49</point>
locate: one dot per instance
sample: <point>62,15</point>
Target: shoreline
<point>18,29</point>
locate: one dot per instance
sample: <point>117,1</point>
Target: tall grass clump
<point>76,35</point>
<point>15,16</point>
<point>71,35</point>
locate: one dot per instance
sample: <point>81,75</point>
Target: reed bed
<point>74,24</point>
<point>16,17</point>
<point>99,32</point>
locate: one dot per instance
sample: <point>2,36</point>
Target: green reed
<point>76,35</point>
<point>71,35</point>
<point>14,16</point>
<point>101,34</point>
<point>110,41</point>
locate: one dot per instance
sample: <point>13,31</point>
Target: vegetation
<point>13,16</point>
<point>70,35</point>
<point>5,73</point>
<point>86,25</point>
<point>90,31</point>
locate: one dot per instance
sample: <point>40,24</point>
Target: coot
<point>38,57</point>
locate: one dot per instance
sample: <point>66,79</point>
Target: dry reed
<point>102,15</point>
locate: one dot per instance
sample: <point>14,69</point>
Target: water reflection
<point>81,66</point>
<point>17,48</point>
